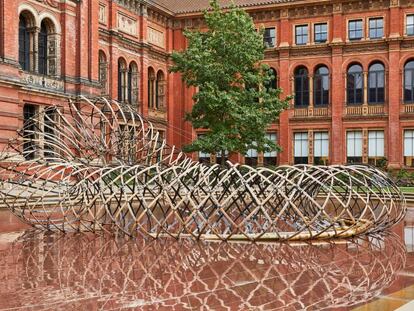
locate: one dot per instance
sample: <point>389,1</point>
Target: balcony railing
<point>365,110</point>
<point>408,108</point>
<point>43,82</point>
<point>311,112</point>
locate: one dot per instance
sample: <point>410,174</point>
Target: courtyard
<point>54,271</point>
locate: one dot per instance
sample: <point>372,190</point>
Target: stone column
<point>34,49</point>
<point>311,103</point>
<point>365,96</point>
<point>310,147</point>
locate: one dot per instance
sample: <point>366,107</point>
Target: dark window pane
<point>43,50</point>
<point>269,37</point>
<point>29,126</point>
<point>24,45</point>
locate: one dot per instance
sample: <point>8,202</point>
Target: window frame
<point>407,26</point>
<point>315,33</point>
<point>354,158</point>
<point>273,44</point>
<point>355,102</point>
<point>376,73</point>
<point>303,93</point>
<point>317,159</point>
<point>411,71</point>
<point>317,76</point>
<point>303,141</point>
<point>24,39</point>
<point>408,159</point>
<point>376,18</point>
<point>43,50</point>
<point>350,38</point>
<point>296,27</point>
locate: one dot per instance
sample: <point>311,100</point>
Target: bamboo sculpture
<point>100,166</point>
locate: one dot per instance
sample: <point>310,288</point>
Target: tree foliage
<point>234,100</point>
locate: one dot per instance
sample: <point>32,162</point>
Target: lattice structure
<point>98,272</point>
<point>100,166</point>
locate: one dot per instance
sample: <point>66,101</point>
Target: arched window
<point>160,90</point>
<point>122,80</point>
<point>24,43</point>
<point>321,86</point>
<point>409,82</point>
<point>301,87</point>
<point>43,49</point>
<point>151,88</point>
<point>133,83</point>
<point>103,72</point>
<point>376,84</point>
<point>355,85</point>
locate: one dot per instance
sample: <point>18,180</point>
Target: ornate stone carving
<point>127,24</point>
<point>51,3</point>
<point>43,82</point>
<point>156,37</point>
<point>102,14</point>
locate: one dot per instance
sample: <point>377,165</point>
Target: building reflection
<point>89,272</point>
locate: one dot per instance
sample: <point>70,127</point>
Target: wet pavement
<point>50,271</point>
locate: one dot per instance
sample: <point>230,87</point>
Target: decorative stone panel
<point>156,37</point>
<point>127,24</point>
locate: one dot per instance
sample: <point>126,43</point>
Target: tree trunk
<point>223,159</point>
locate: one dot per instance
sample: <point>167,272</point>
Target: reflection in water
<point>89,272</point>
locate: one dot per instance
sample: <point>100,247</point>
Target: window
<point>43,49</point>
<point>409,147</point>
<point>354,146</point>
<point>355,30</point>
<point>321,148</point>
<point>103,73</point>
<point>122,83</point>
<point>375,146</point>
<point>409,82</point>
<point>132,83</point>
<point>355,85</point>
<point>321,86</point>
<point>270,158</point>
<point>269,37</point>
<point>160,90</point>
<point>251,157</point>
<point>301,87</point>
<point>151,88</point>
<point>376,82</point>
<point>49,132</point>
<point>410,25</point>
<point>24,44</point>
<point>29,129</point>
<point>321,33</point>
<point>301,34</point>
<point>301,148</point>
<point>376,28</point>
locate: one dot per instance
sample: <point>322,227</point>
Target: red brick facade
<point>110,47</point>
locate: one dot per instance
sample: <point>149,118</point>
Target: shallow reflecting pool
<point>49,271</point>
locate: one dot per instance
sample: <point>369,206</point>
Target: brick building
<point>349,63</point>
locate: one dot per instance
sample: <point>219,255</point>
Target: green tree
<point>234,98</point>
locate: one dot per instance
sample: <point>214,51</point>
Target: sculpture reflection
<point>65,272</point>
